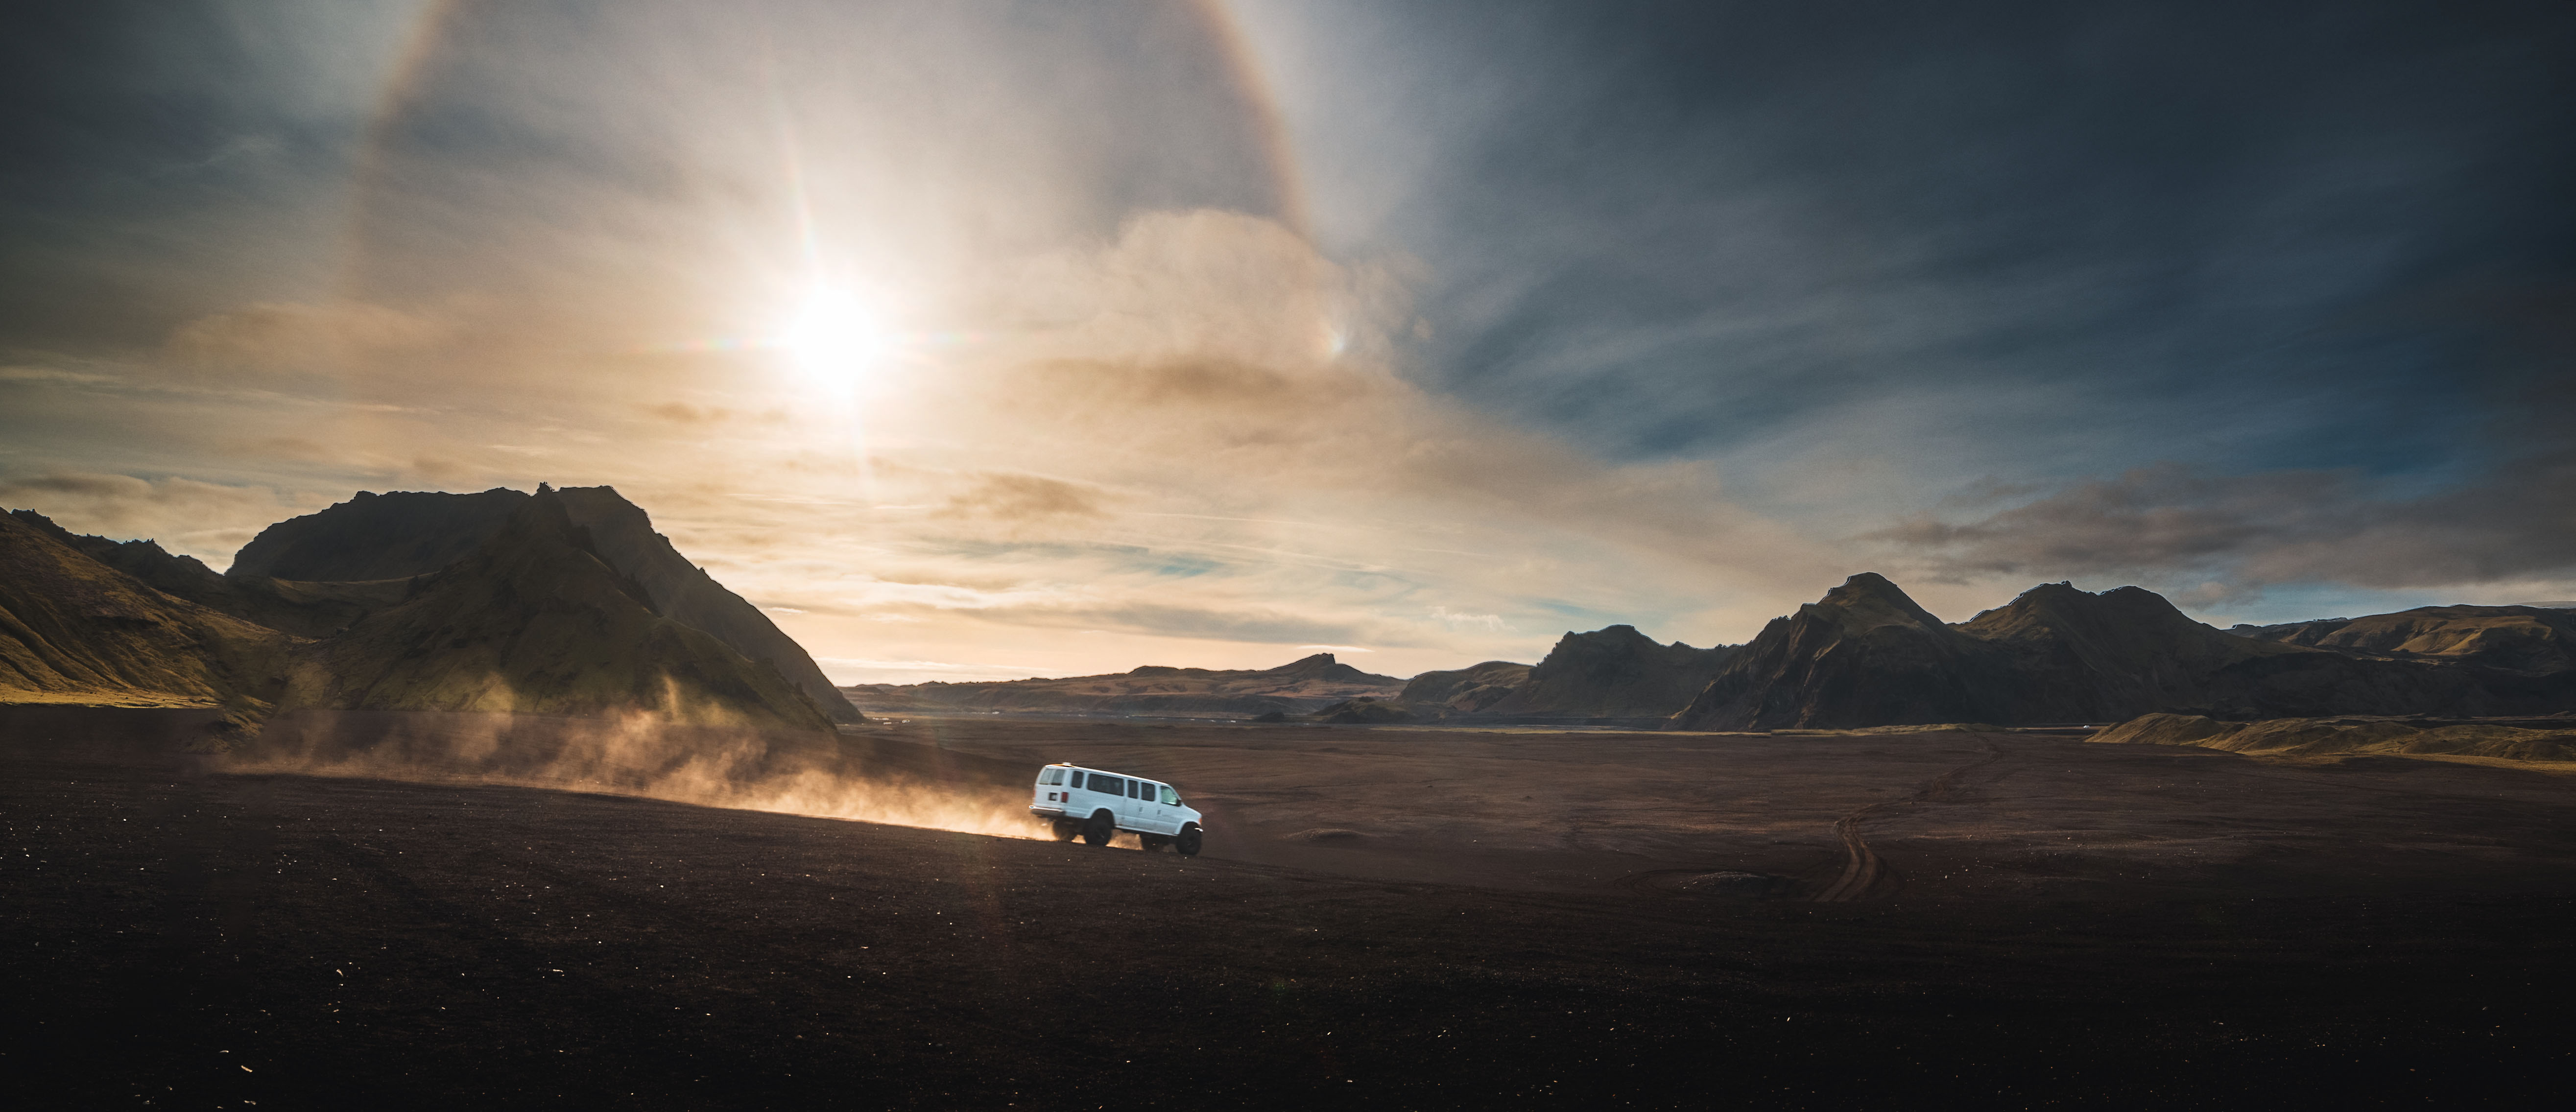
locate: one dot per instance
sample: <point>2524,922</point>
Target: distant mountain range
<point>1298,687</point>
<point>568,603</point>
<point>2530,638</point>
<point>1867,655</point>
<point>557,603</point>
<point>1610,673</point>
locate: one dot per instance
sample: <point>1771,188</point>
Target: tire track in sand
<point>1864,872</point>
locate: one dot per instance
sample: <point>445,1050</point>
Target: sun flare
<point>833,333</point>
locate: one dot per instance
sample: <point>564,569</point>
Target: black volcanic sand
<point>1384,917</point>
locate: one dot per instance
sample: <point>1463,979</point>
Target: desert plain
<point>1382,917</point>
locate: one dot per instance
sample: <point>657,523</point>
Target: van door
<point>1150,809</point>
<point>1135,813</point>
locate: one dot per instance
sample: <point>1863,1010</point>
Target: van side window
<point>1171,798</point>
<point>1100,783</point>
<point>1131,788</point>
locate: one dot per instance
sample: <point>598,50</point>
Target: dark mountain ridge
<point>535,621</point>
<point>380,537</point>
<point>1868,655</point>
<point>1613,672</point>
<point>532,620</point>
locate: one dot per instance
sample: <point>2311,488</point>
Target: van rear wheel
<point>1099,829</point>
<point>1188,842</point>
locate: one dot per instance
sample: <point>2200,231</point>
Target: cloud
<point>1488,622</point>
<point>56,375</point>
<point>1021,498</point>
<point>289,339</point>
<point>2172,522</point>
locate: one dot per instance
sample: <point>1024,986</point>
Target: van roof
<point>1107,772</point>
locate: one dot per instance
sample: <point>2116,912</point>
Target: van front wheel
<point>1099,829</point>
<point>1188,842</point>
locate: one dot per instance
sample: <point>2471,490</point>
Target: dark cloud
<point>2173,522</point>
<point>2030,239</point>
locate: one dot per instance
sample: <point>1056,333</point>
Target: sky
<point>986,339</point>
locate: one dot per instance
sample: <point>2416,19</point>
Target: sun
<point>833,334</point>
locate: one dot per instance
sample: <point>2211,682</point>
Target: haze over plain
<point>985,339</point>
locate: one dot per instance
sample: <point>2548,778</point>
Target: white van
<point>1097,805</point>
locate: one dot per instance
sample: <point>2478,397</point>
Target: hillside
<point>533,621</point>
<point>1614,672</point>
<point>1463,690</point>
<point>73,630</point>
<point>395,536</point>
<point>1867,655</point>
<point>2519,638</point>
<point>1297,687</point>
<point>303,609</point>
<point>2523,740</point>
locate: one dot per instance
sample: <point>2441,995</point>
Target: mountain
<point>1615,672</point>
<point>74,630</point>
<point>1864,655</point>
<point>303,609</point>
<point>1297,687</point>
<point>377,536</point>
<point>380,537</point>
<point>1463,690</point>
<point>623,535</point>
<point>2518,638</point>
<point>1867,655</point>
<point>534,621</point>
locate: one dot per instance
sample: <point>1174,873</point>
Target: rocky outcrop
<point>1867,655</point>
<point>392,537</point>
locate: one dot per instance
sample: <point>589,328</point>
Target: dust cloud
<point>647,756</point>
